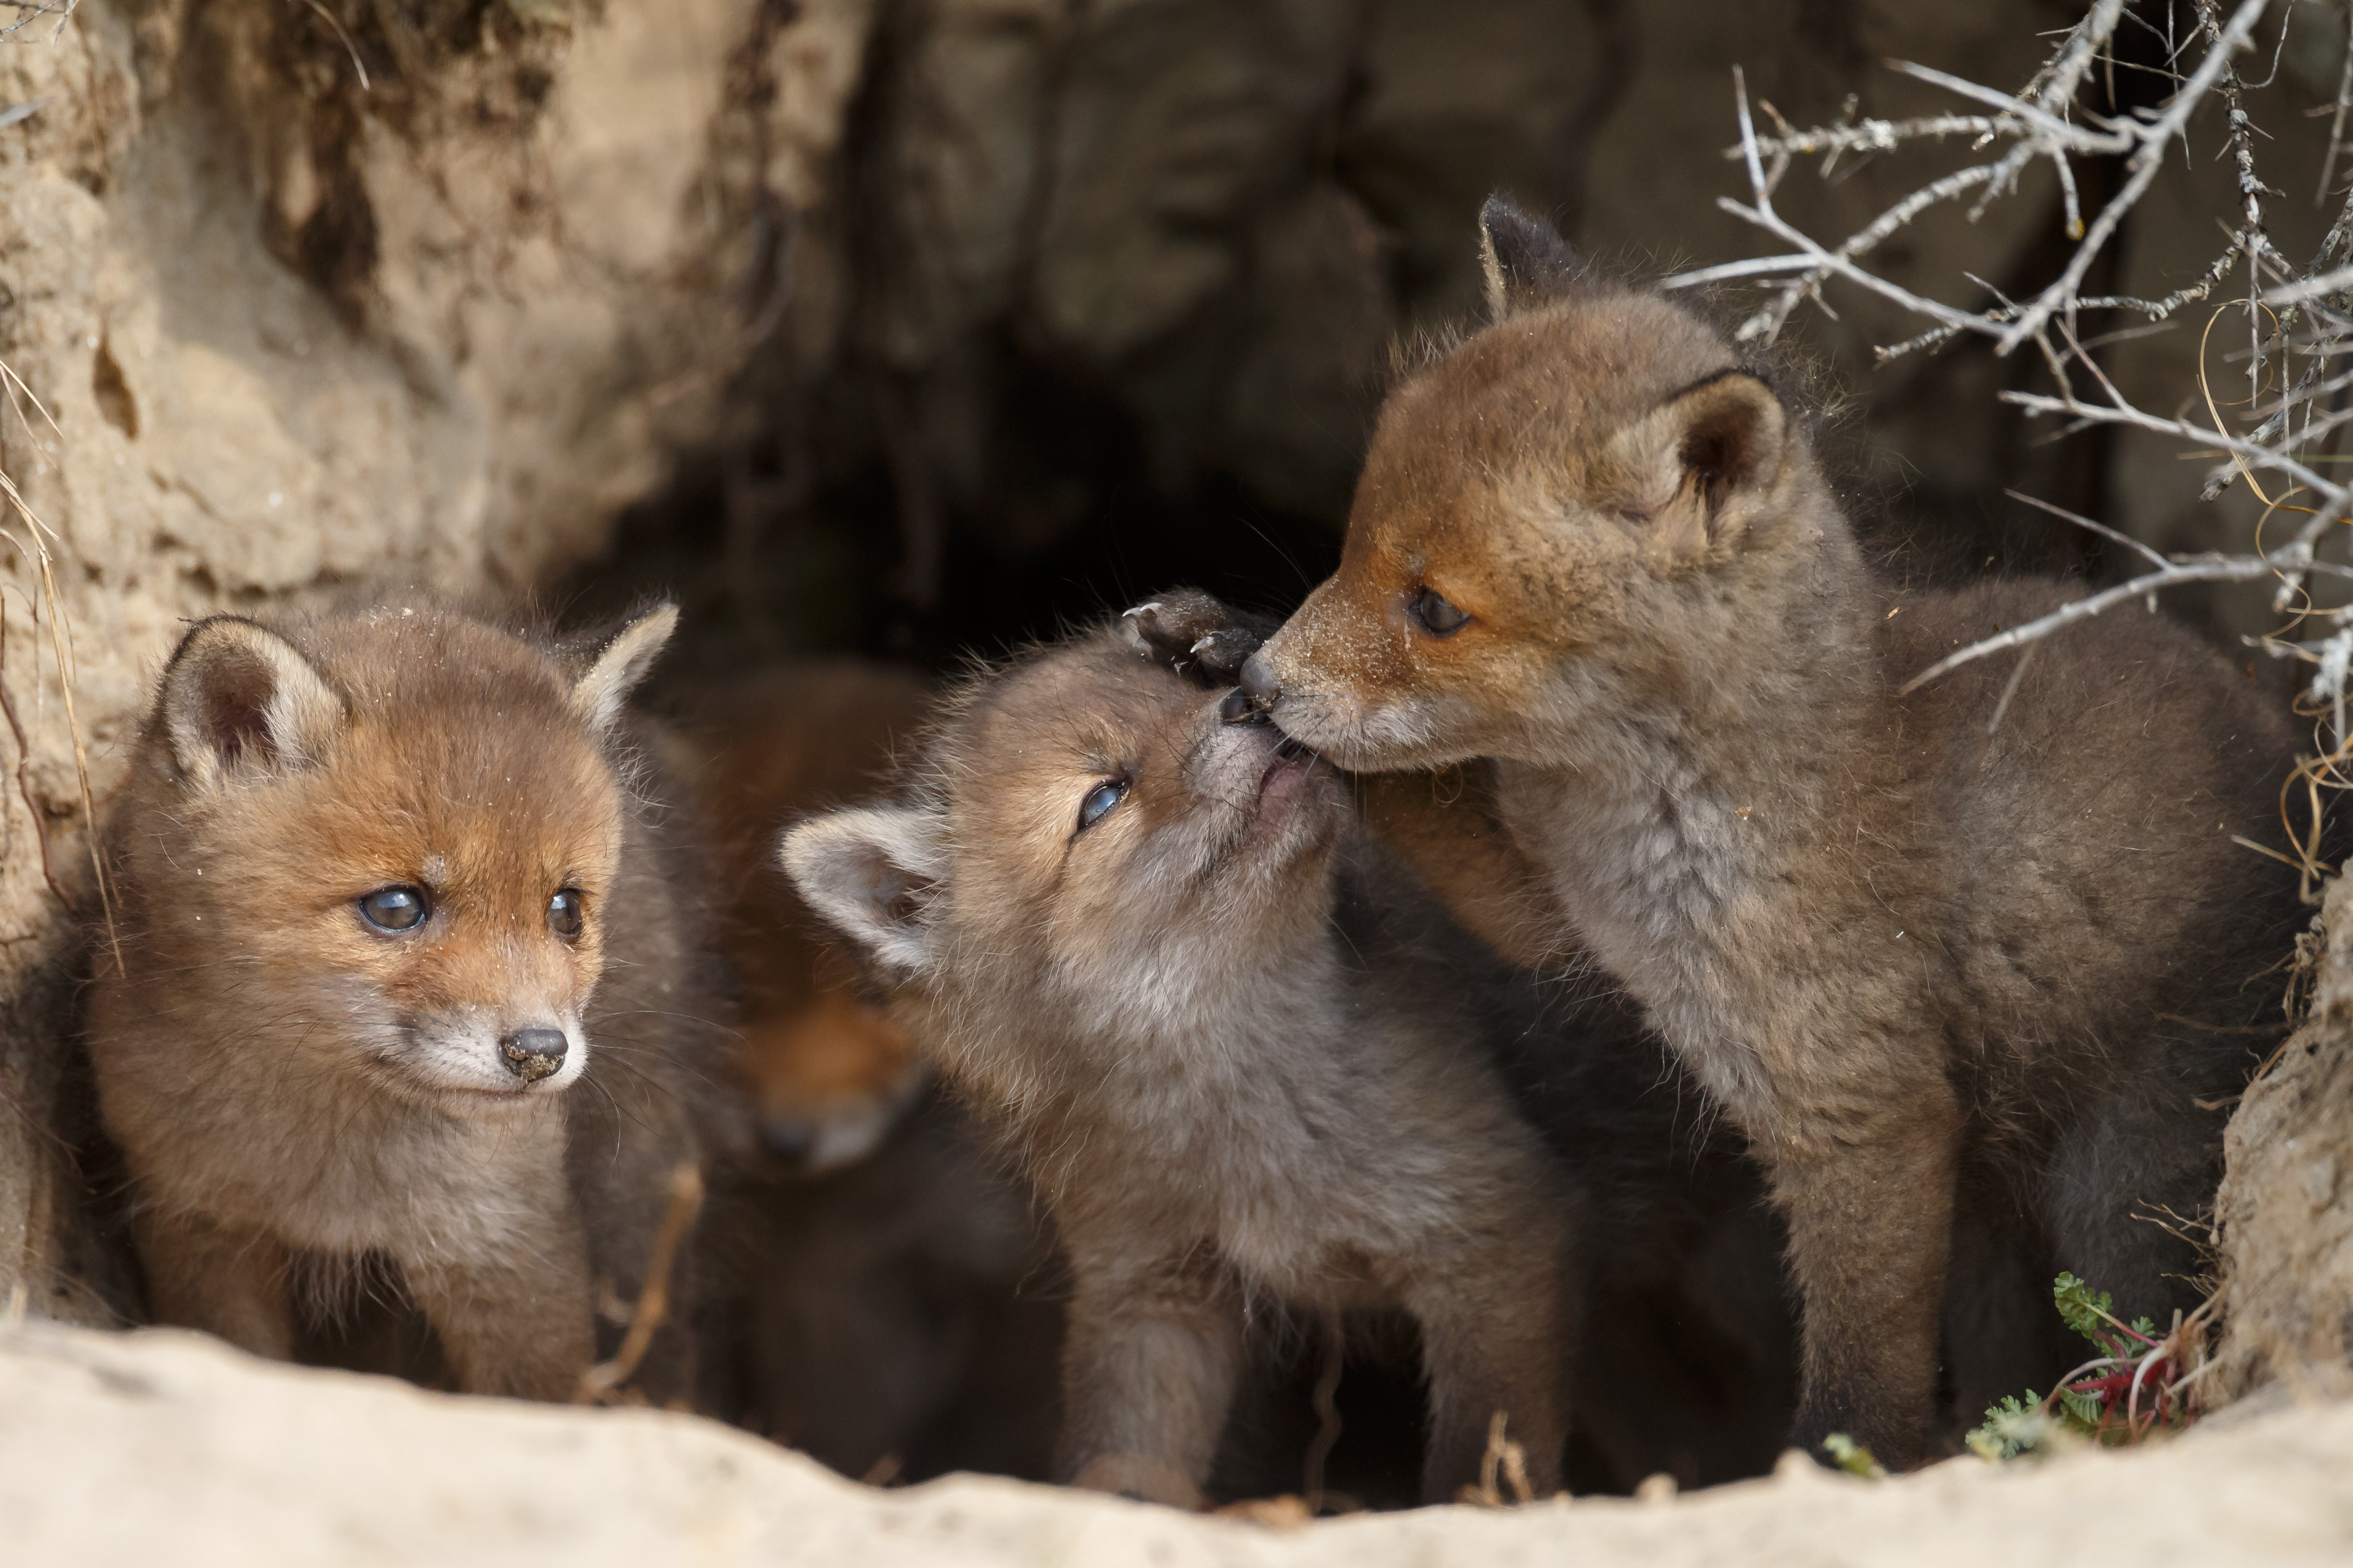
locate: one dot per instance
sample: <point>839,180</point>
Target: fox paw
<point>1196,635</point>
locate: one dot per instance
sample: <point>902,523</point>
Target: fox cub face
<point>396,836</point>
<point>1551,525</point>
<point>1093,826</point>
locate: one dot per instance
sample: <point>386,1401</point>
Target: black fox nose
<point>532,1053</point>
<point>1239,708</point>
<point>787,1138</point>
<point>1258,681</point>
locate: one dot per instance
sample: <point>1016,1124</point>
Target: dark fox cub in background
<point>1975,966</point>
<point>403,980</point>
<point>1247,1061</point>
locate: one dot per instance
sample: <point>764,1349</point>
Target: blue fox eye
<point>1438,617</point>
<point>564,913</point>
<point>394,909</point>
<point>1099,800</point>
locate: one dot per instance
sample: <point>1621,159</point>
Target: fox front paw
<point>1196,635</point>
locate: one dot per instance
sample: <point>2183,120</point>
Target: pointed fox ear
<point>237,697</point>
<point>1527,265</point>
<point>599,694</point>
<point>1699,466</point>
<point>869,872</point>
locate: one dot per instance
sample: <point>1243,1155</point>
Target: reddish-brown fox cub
<point>830,1075</point>
<point>1975,966</point>
<point>1248,1064</point>
<point>402,982</point>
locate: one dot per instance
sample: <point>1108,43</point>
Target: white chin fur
<point>1360,738</point>
<point>463,1069</point>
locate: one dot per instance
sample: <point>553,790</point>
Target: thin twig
<point>601,1382</point>
<point>345,38</point>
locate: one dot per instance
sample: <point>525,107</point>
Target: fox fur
<point>1245,1058</point>
<point>1972,965</point>
<point>829,1075</point>
<point>490,1101</point>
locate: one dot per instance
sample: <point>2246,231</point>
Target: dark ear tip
<point>1527,261</point>
<point>207,629</point>
<point>1500,210</point>
<point>1503,220</point>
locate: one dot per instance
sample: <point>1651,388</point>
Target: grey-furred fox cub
<point>403,980</point>
<point>1245,1058</point>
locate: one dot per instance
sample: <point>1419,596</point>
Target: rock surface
<point>167,1446</point>
<point>2284,1228</point>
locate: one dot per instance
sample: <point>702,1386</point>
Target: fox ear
<point>869,872</point>
<point>598,695</point>
<point>1527,265</point>
<point>1703,461</point>
<point>239,696</point>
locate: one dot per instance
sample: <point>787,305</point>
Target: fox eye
<point>1436,616</point>
<point>564,913</point>
<point>394,909</point>
<point>1099,800</point>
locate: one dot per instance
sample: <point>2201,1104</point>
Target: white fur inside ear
<point>1491,268</point>
<point>239,696</point>
<point>866,872</point>
<point>599,696</point>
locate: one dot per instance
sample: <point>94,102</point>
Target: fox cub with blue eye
<point>1248,1062</point>
<point>1113,919</point>
<point>402,979</point>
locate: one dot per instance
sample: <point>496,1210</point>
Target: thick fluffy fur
<point>1964,984</point>
<point>293,1085</point>
<point>829,1075</point>
<point>1227,1105</point>
<point>1251,1065</point>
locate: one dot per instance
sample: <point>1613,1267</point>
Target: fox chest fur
<point>1284,1110</point>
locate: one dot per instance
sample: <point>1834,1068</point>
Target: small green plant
<point>1852,1457</point>
<point>2135,1389</point>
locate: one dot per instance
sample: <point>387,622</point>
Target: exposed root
<point>603,1383</point>
<point>1505,1461</point>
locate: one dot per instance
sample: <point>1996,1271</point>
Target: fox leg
<point>1870,1212</point>
<point>224,1279</point>
<point>520,1322</point>
<point>1497,1336</point>
<point>1148,1372</point>
<point>2139,1164</point>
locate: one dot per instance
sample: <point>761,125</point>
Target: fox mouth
<point>419,1080</point>
<point>1288,754</point>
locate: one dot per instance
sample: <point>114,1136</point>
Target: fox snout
<point>534,1054</point>
<point>1255,697</point>
<point>470,1057</point>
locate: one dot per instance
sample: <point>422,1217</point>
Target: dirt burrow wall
<point>2283,1225</point>
<point>270,334</point>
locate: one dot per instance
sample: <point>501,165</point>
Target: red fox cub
<point>1248,1063</point>
<point>1969,966</point>
<point>830,1074</point>
<point>1118,923</point>
<point>403,981</point>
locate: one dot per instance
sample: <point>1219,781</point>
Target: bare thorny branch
<point>2296,318</point>
<point>25,12</point>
